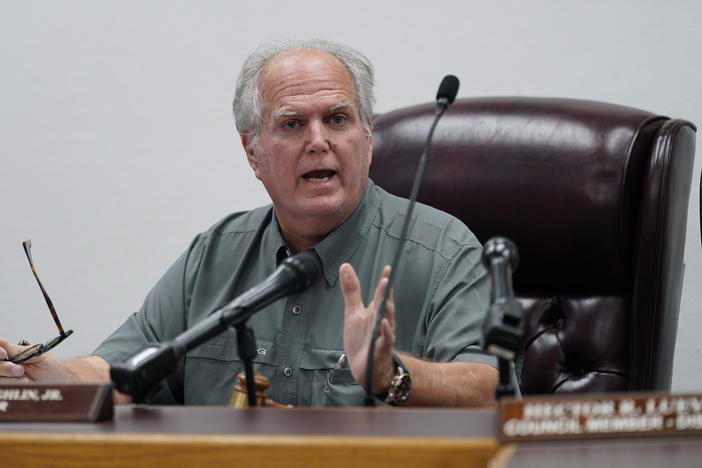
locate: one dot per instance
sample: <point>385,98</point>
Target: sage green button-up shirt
<point>441,296</point>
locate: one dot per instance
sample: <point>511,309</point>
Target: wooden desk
<point>648,452</point>
<point>215,436</point>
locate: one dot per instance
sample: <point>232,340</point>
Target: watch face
<point>402,388</point>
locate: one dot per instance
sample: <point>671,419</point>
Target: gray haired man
<point>304,113</point>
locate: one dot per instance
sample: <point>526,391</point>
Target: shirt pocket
<point>211,369</point>
<point>330,385</point>
<point>223,348</point>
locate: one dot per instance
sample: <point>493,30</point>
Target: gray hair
<point>247,98</point>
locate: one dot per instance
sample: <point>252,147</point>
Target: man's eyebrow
<point>339,106</point>
<point>286,113</point>
<point>293,113</point>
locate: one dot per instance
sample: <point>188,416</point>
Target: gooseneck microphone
<point>503,329</point>
<point>501,258</point>
<point>444,97</point>
<point>138,375</point>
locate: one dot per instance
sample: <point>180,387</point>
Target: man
<point>304,114</point>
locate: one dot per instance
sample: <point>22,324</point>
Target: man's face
<point>313,154</point>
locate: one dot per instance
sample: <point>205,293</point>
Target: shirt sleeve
<point>458,309</point>
<point>162,317</point>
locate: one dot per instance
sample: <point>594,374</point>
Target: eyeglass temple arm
<point>27,250</point>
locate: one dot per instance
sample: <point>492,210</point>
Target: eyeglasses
<point>41,348</point>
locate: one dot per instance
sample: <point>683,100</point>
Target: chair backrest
<point>595,196</point>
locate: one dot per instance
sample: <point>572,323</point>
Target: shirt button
<point>297,310</point>
<point>287,371</point>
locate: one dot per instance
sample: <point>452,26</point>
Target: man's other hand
<point>359,321</point>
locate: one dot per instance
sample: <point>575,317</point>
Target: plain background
<point>118,146</point>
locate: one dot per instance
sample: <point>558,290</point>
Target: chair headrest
<point>560,177</point>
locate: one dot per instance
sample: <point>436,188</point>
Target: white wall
<point>117,145</point>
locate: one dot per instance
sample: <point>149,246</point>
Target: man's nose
<point>317,137</point>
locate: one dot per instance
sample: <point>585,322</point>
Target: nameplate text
<point>47,402</point>
<point>603,415</point>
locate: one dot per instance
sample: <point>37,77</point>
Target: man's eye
<point>290,124</point>
<point>337,119</point>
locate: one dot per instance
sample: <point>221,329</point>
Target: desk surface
<point>218,436</point>
<point>645,452</point>
<point>212,436</point>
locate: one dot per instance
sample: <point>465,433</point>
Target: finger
<point>380,344</point>
<point>390,307</point>
<point>13,381</point>
<point>384,275</point>
<point>390,310</point>
<point>386,271</point>
<point>382,285</point>
<point>383,344</point>
<point>380,291</point>
<point>350,288</point>
<point>10,369</point>
<point>4,348</point>
<point>9,348</point>
<point>387,333</point>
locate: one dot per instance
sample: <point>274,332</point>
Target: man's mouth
<point>318,176</point>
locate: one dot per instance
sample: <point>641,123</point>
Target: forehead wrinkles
<point>304,73</point>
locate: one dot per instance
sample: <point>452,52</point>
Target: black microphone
<point>447,90</point>
<point>444,97</point>
<point>138,375</point>
<point>294,274</point>
<point>503,326</point>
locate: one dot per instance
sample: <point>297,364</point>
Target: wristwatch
<point>400,385</point>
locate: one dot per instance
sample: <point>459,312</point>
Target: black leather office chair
<point>595,196</point>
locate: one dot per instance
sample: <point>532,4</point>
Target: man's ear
<point>246,142</point>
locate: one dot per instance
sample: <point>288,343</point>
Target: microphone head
<point>501,248</point>
<point>448,89</point>
<point>306,265</point>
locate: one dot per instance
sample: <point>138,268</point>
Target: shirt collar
<point>340,244</point>
<point>277,248</point>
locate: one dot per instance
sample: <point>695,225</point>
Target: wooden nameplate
<point>599,416</point>
<point>56,402</point>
